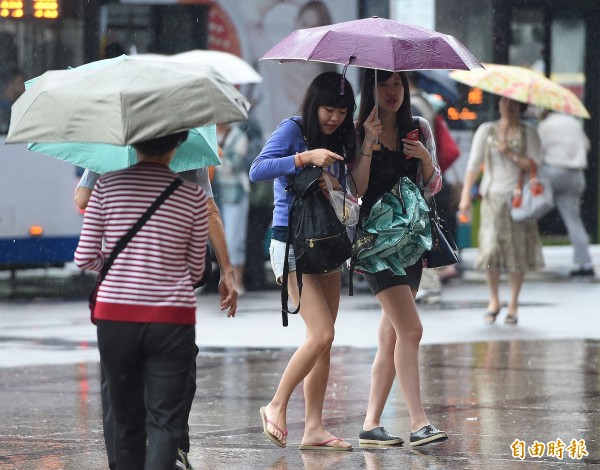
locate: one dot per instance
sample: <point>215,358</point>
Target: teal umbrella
<point>198,151</point>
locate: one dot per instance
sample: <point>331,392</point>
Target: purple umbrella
<point>376,43</point>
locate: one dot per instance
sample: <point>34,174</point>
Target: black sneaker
<point>584,272</point>
<point>378,436</point>
<point>427,435</point>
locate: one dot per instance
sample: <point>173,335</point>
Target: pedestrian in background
<point>146,322</point>
<point>11,87</point>
<point>564,159</point>
<point>320,136</point>
<point>432,108</point>
<point>259,213</point>
<point>375,173</point>
<point>232,193</point>
<point>505,148</point>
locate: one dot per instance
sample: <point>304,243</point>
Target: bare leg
<point>319,336</point>
<point>315,383</point>
<point>383,373</point>
<point>493,281</point>
<point>400,308</point>
<point>516,281</point>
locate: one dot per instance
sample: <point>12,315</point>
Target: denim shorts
<point>277,254</point>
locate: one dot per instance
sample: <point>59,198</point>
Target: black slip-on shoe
<point>378,436</point>
<point>427,435</point>
<point>583,272</point>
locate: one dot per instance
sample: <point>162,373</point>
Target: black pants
<point>147,367</point>
<point>108,421</point>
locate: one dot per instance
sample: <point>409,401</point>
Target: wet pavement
<point>488,386</point>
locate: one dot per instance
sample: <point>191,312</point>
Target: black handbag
<point>320,240</point>
<point>444,251</point>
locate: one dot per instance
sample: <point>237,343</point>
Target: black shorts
<point>386,279</point>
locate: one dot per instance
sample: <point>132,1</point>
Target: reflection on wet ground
<point>487,396</point>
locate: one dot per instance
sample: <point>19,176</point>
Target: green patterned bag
<point>396,233</point>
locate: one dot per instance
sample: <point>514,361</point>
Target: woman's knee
<point>412,335</point>
<point>386,337</point>
<point>322,340</point>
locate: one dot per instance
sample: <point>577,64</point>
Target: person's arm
<point>82,196</point>
<point>278,157</point>
<point>362,164</point>
<point>88,254</point>
<point>478,149</point>
<point>84,188</point>
<point>196,253</point>
<point>465,197</point>
<point>429,174</point>
<point>216,235</point>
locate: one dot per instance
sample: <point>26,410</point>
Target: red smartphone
<point>413,135</point>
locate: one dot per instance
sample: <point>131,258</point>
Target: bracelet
<point>428,163</point>
<point>299,159</point>
<point>365,154</point>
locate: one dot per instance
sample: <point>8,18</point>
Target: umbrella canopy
<point>523,85</point>
<point>437,82</point>
<point>198,151</point>
<point>233,68</point>
<point>376,43</point>
<point>123,102</point>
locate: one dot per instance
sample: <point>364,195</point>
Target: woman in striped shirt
<point>146,307</point>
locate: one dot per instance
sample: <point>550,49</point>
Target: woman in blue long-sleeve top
<point>321,136</point>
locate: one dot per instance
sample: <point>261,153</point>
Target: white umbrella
<point>122,101</point>
<point>234,69</point>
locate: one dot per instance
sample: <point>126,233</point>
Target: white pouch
<point>345,205</point>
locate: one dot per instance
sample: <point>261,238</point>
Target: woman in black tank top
<point>402,153</point>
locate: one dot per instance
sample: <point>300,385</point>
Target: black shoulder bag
<point>443,247</point>
<point>125,239</point>
<point>320,240</point>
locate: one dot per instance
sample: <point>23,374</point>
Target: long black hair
<point>330,89</point>
<point>404,120</point>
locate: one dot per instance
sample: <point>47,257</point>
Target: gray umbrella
<point>123,101</point>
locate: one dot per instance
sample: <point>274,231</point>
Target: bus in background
<point>39,222</point>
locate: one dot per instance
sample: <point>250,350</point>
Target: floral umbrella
<point>523,85</point>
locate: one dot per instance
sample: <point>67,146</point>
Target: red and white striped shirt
<point>151,279</point>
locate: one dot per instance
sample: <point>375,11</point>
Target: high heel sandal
<point>490,316</point>
<point>511,319</point>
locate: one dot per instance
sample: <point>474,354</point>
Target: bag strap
<point>532,164</point>
<point>125,239</point>
<point>286,270</point>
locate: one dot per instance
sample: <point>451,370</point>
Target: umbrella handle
<point>376,145</point>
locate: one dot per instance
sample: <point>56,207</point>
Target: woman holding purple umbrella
<point>376,173</point>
